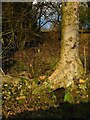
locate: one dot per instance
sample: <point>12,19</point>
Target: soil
<point>63,111</point>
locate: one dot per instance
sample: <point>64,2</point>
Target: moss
<point>68,97</point>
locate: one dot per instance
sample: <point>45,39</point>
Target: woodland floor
<point>40,61</point>
<point>63,111</point>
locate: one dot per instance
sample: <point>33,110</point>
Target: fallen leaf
<point>42,77</point>
<point>81,81</point>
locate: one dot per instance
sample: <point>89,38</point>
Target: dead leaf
<point>81,81</point>
<point>42,77</point>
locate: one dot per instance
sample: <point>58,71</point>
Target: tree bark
<point>88,60</point>
<point>70,66</point>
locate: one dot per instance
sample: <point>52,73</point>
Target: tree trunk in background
<point>88,60</point>
<point>88,3</point>
<point>70,67</point>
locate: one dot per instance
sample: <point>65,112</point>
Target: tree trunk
<point>88,3</point>
<point>70,67</point>
<point>88,60</point>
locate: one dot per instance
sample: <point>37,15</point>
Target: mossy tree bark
<point>70,66</point>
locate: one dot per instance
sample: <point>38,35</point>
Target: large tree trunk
<point>69,67</point>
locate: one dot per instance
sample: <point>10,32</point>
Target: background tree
<point>88,3</point>
<point>88,37</point>
<point>83,14</point>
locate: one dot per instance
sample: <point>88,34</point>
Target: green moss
<point>68,97</point>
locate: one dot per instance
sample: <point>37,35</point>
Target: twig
<point>85,59</point>
<point>1,71</point>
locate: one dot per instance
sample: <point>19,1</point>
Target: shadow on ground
<point>65,110</point>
